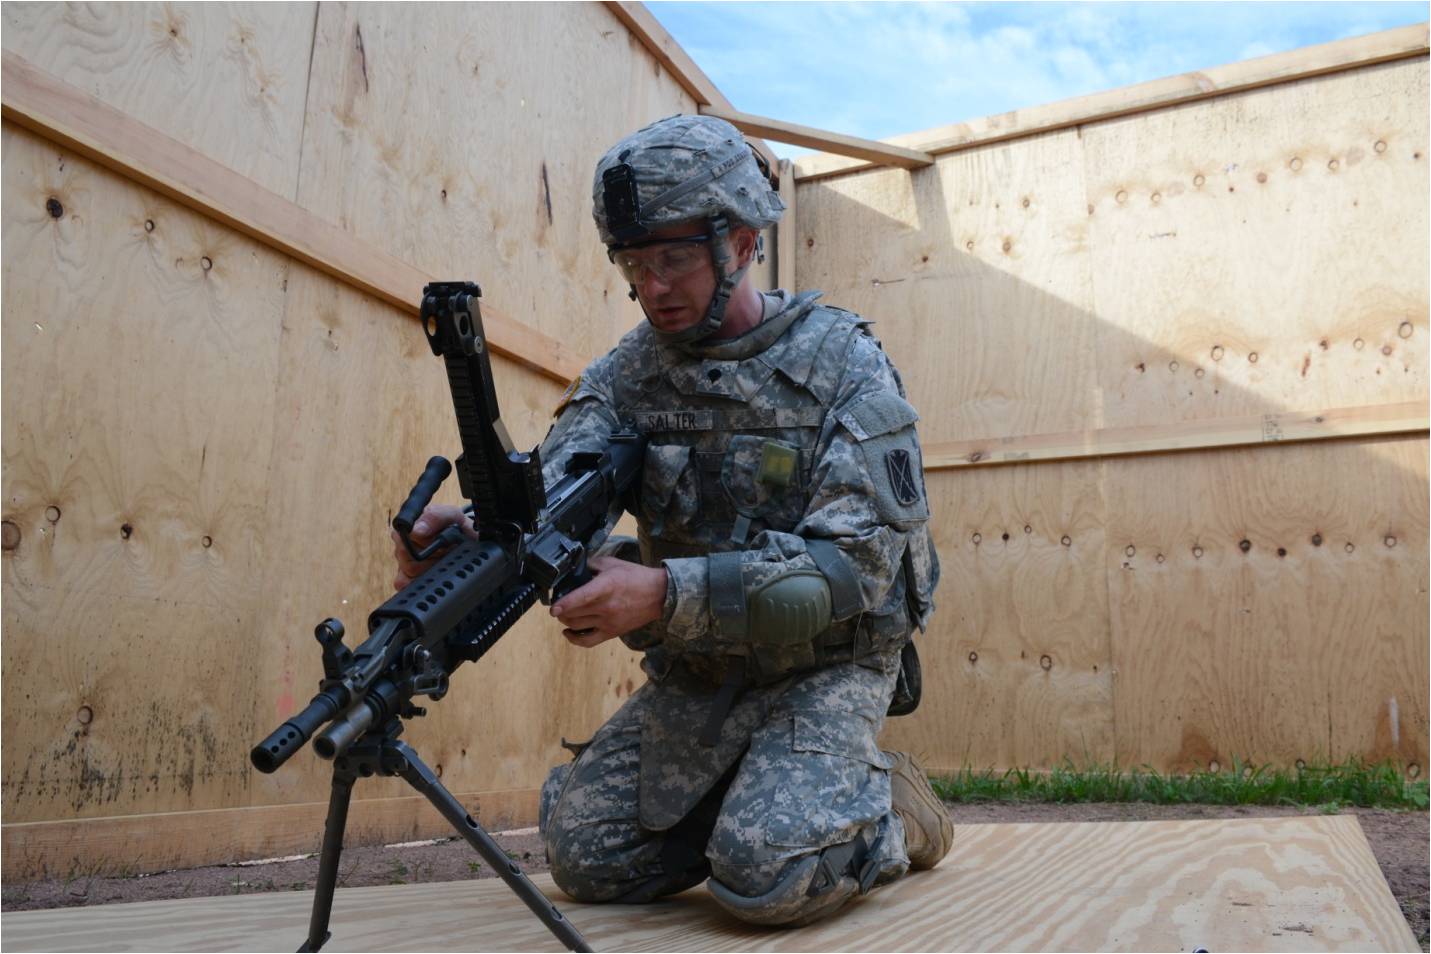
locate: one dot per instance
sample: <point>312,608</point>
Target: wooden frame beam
<point>1285,427</point>
<point>647,29</point>
<point>868,149</point>
<point>37,101</point>
<point>1384,47</point>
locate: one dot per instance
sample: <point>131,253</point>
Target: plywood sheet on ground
<point>1266,884</point>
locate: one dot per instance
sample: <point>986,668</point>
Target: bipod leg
<point>407,764</point>
<point>318,933</point>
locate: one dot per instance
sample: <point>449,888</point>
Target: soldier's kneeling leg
<point>598,850</point>
<point>807,823</point>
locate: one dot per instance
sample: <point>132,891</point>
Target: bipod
<point>378,752</point>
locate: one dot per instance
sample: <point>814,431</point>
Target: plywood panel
<point>1278,612</point>
<point>1017,664</point>
<point>1265,251</point>
<point>135,483</point>
<point>982,256</point>
<point>227,79</point>
<point>489,175</point>
<point>1287,884</point>
<point>1080,281</point>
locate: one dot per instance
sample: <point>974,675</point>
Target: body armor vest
<point>732,434</point>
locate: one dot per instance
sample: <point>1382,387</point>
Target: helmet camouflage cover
<point>681,169</point>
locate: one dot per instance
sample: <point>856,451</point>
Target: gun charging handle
<point>432,477</point>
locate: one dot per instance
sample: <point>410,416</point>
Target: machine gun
<point>532,545</point>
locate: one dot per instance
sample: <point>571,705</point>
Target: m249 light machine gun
<point>533,543</point>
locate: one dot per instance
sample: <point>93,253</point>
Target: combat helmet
<point>685,169</point>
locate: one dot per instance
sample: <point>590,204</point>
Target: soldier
<point>784,560</point>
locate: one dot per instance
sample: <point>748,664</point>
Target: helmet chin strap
<point>719,230</point>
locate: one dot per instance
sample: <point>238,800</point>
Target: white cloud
<point>879,69</point>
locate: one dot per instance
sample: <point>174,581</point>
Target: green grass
<point>1352,784</point>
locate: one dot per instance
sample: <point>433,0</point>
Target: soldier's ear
<point>743,240</point>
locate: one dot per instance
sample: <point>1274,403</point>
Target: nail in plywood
<point>1286,884</point>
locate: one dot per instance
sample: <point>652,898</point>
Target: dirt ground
<point>1399,839</point>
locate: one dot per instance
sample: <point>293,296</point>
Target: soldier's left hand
<point>623,596</point>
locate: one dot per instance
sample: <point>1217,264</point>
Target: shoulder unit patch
<point>901,476</point>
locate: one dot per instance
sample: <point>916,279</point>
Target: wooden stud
<point>1384,47</point>
<point>879,153</point>
<point>68,116</point>
<point>1406,418</point>
<point>786,232</point>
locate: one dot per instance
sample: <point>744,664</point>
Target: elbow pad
<point>790,610</point>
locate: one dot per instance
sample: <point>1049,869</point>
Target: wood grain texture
<point>135,484</point>
<point>1287,884</point>
<point>68,117</point>
<point>1305,242</point>
<point>227,80</point>
<point>1409,417</point>
<point>1401,43</point>
<point>1277,611</point>
<point>1018,666</point>
<point>1081,293</point>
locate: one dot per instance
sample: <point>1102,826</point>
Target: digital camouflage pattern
<point>674,151</point>
<point>812,778</point>
<point>795,431</point>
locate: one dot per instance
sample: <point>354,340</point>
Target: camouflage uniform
<point>796,772</point>
<point>785,459</point>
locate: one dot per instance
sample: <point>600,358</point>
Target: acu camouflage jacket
<point>759,448</point>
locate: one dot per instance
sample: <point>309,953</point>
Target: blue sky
<point>880,69</point>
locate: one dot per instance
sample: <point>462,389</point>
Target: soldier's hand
<point>623,596</point>
<point>424,530</point>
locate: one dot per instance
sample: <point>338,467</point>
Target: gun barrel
<point>288,738</point>
<point>381,701</point>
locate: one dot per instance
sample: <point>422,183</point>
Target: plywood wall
<point>204,440</point>
<point>1245,255</point>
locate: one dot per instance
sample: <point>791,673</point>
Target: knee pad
<point>789,902</point>
<point>810,887</point>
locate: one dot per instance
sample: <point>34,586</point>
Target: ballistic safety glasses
<point>666,260</point>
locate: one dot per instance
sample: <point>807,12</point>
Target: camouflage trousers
<point>798,825</point>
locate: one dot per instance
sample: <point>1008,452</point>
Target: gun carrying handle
<point>432,477</point>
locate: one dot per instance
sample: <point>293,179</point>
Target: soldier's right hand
<point>435,518</point>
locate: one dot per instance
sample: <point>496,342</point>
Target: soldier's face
<point>676,302</point>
